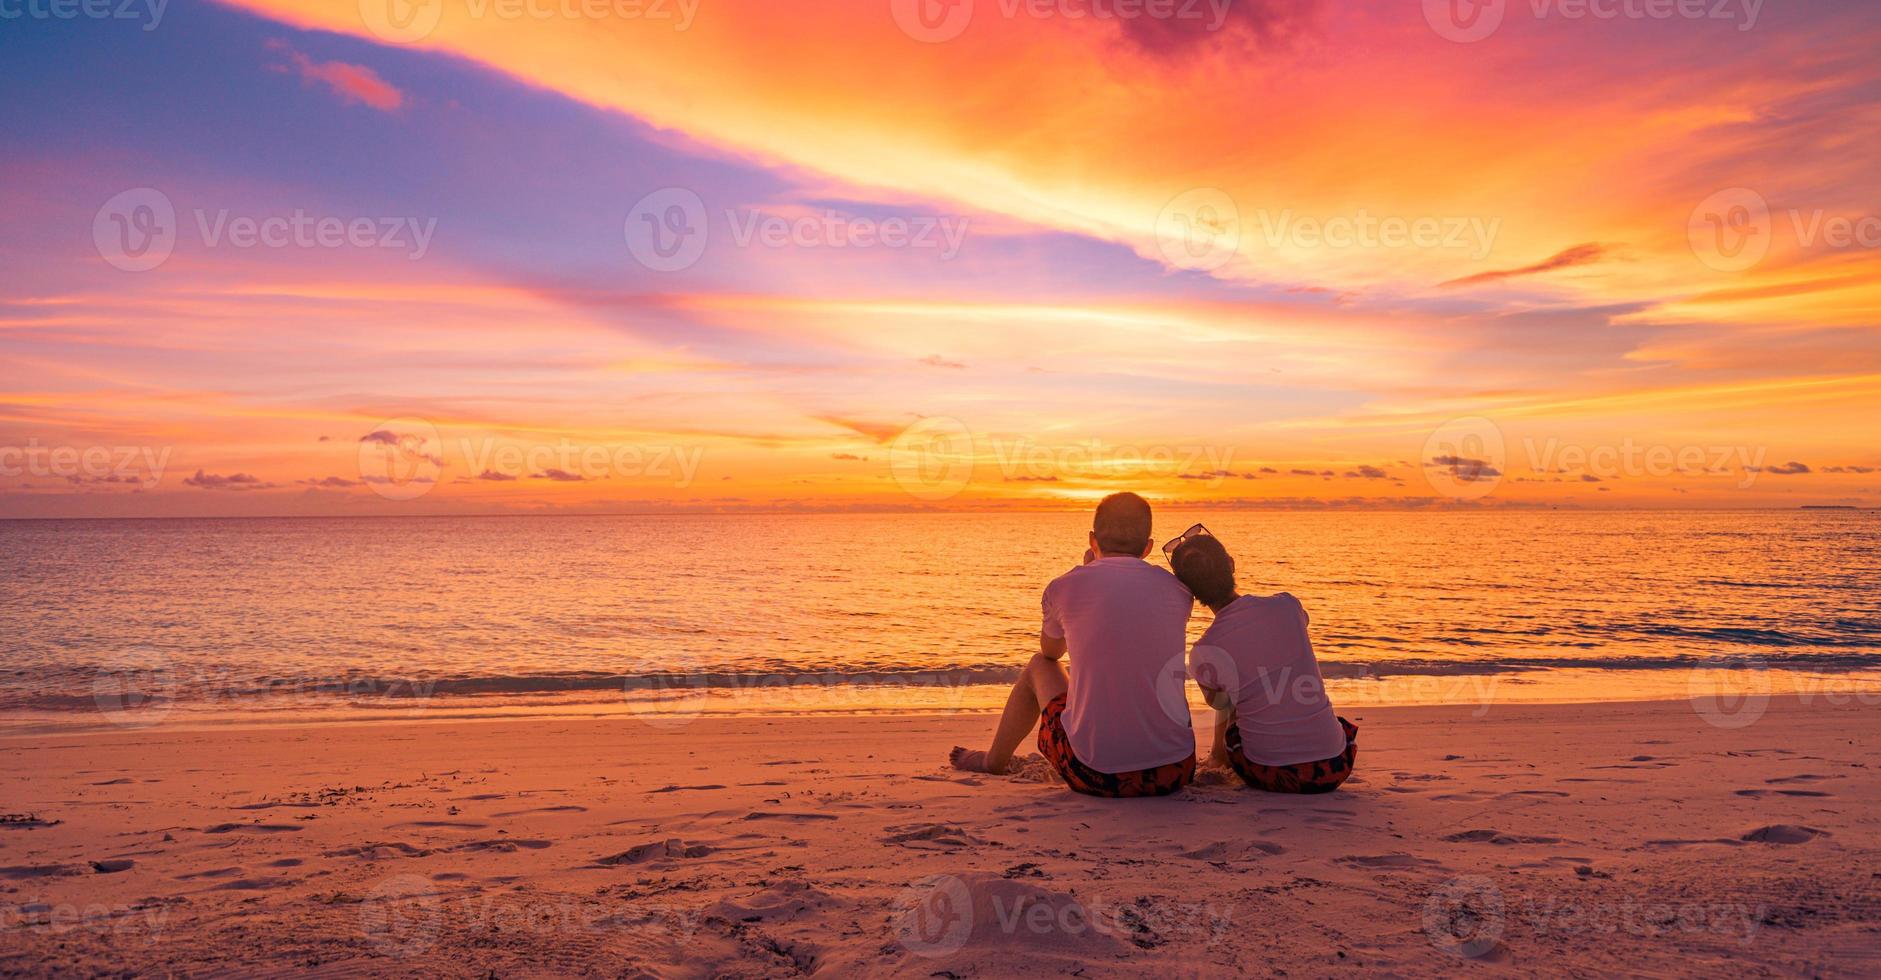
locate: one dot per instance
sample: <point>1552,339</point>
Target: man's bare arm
<point>1053,647</point>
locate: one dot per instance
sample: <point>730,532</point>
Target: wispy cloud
<point>352,83</point>
<point>232,481</point>
<point>1587,254</point>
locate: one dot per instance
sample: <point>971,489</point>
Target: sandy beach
<point>1609,838</point>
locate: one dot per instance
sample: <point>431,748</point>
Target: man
<point>1104,727</point>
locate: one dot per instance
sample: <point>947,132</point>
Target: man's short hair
<point>1122,524</point>
<point>1202,564</point>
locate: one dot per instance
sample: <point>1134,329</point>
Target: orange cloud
<point>1434,162</point>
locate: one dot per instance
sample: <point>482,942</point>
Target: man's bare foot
<point>970,760</point>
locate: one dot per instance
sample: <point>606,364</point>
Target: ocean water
<point>292,618</point>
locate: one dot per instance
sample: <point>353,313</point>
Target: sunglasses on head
<point>1198,531</point>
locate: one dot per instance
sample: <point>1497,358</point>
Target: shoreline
<point>1482,693</point>
<point>752,846</point>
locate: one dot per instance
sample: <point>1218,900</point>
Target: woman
<point>1274,724</point>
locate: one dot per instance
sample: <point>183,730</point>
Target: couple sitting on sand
<point>1119,725</point>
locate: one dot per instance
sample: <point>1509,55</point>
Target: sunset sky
<point>317,257</point>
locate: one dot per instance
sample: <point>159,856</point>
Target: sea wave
<point>159,688</point>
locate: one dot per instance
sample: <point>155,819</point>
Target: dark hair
<point>1122,524</point>
<point>1205,567</point>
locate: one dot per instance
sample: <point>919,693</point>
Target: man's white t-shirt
<point>1258,647</point>
<point>1124,622</point>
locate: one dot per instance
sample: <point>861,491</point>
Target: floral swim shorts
<point>1323,776</point>
<point>1052,741</point>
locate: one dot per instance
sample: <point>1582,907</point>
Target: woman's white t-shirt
<point>1258,652</point>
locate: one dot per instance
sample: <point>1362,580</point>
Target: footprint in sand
<point>501,846</point>
<point>26,871</point>
<point>259,828</point>
<point>253,884</point>
<point>1497,837</point>
<point>211,873</point>
<point>1783,792</point>
<point>380,851</point>
<point>567,808</point>
<point>1681,844</point>
<point>784,902</point>
<point>1386,862</point>
<point>958,781</point>
<point>1234,850</point>
<point>1784,833</point>
<point>930,836</point>
<point>435,824</point>
<point>670,848</point>
<point>787,815</point>
<point>1804,778</point>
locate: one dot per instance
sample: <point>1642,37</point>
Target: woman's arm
<point>1218,756</point>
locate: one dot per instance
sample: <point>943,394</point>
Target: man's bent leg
<point>1043,680</point>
